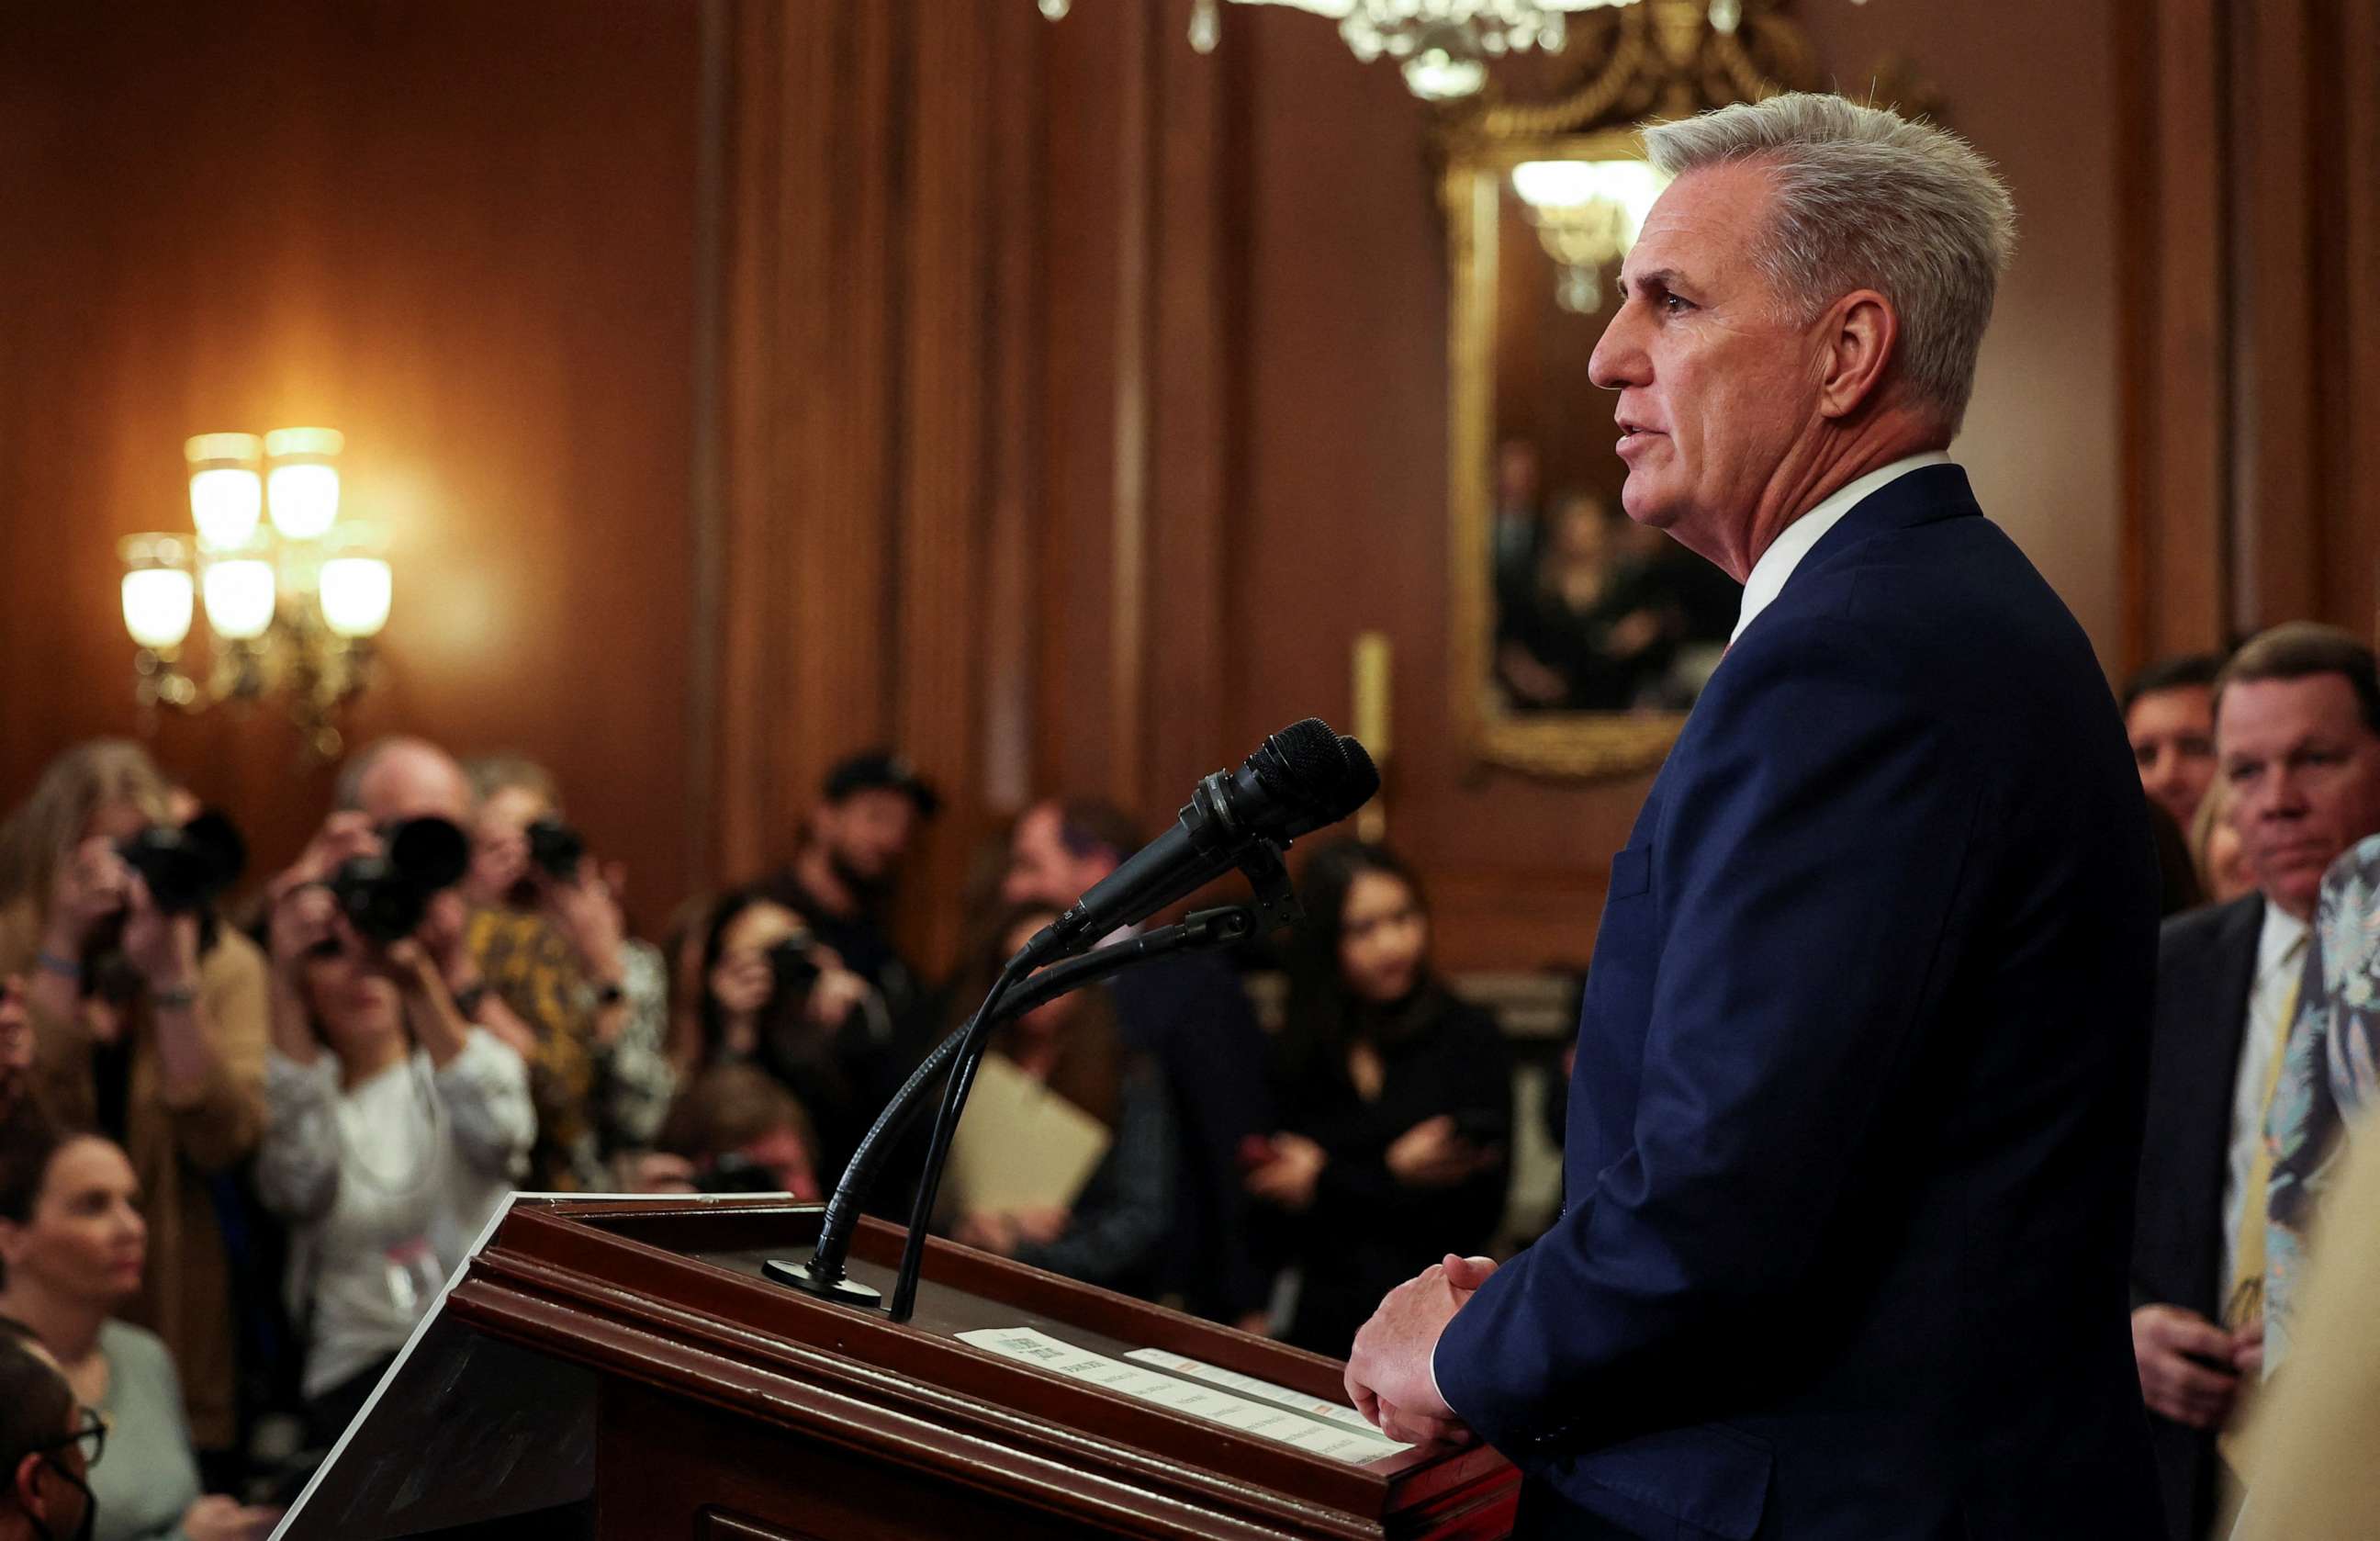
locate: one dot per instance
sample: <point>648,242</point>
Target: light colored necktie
<point>2245,1298</point>
<point>2244,1302</point>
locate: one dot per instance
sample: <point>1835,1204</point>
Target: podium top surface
<point>669,1293</point>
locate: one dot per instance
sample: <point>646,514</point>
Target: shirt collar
<point>2281,935</point>
<point>1794,543</point>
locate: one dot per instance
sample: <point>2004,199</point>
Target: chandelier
<point>1443,46</point>
<point>292,603</point>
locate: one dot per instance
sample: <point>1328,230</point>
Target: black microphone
<point>1298,779</point>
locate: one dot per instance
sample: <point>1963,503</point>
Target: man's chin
<point>1645,505</point>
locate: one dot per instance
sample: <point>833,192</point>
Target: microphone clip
<point>1276,899</point>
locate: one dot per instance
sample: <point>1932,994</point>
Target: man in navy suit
<point>1858,1095</point>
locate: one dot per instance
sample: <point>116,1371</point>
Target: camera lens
<point>556,848</point>
<point>384,897</point>
<point>186,867</point>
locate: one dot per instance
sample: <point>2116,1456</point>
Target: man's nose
<point>1619,358</point>
<point>2284,798</point>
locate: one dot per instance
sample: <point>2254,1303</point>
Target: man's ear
<point>24,1487</point>
<point>1861,334</point>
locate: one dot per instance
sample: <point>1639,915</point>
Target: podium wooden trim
<point>733,1406</point>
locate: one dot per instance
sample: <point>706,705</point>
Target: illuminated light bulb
<point>239,597</point>
<point>355,591</point>
<point>227,495</point>
<point>304,484</point>
<point>157,603</point>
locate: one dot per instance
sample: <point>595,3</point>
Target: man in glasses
<point>47,1445</point>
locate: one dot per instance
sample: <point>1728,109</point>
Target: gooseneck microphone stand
<point>825,1274</point>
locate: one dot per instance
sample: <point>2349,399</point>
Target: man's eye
<point>1674,306</point>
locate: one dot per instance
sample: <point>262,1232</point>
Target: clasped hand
<point>1389,1377</point>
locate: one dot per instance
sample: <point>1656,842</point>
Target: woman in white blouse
<point>394,1129</point>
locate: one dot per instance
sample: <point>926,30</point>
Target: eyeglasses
<point>90,1437</point>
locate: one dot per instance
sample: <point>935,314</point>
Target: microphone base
<point>847,1291</point>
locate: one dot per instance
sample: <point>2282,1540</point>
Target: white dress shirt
<point>1794,543</point>
<point>2281,957</point>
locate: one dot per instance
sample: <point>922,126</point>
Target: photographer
<point>842,877</point>
<point>527,861</point>
<point>397,1127</point>
<point>510,974</point>
<point>148,1027</point>
<point>776,998</point>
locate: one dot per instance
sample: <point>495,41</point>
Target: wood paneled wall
<point>747,381</point>
<point>2251,133</point>
<point>469,246</point>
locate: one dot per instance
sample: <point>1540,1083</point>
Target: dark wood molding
<point>741,1395</point>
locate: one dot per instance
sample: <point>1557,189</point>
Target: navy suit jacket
<point>1857,1109</point>
<point>2207,965</point>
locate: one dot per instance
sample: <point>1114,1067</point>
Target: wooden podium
<point>622,1370</point>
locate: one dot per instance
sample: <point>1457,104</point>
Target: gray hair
<point>1865,199</point>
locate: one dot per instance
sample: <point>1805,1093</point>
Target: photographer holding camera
<point>776,998</point>
<point>396,1124</point>
<point>526,861</point>
<point>512,975</point>
<point>148,1021</point>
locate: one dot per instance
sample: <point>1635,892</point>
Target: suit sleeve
<point>1804,867</point>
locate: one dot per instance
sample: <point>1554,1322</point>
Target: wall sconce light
<point>293,597</point>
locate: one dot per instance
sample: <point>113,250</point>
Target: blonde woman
<point>2215,850</point>
<point>148,1027</point>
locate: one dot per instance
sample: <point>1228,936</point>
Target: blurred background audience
<point>73,1251</point>
<point>1396,1102</point>
<point>396,1125</point>
<point>148,1026</point>
<point>1112,1231</point>
<point>295,1144</point>
<point>2295,715</point>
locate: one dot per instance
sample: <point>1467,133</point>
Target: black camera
<point>734,1173</point>
<point>556,849</point>
<point>187,869</point>
<point>795,968</point>
<point>385,896</point>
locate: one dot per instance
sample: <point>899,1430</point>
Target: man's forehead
<point>2263,712</point>
<point>1700,228</point>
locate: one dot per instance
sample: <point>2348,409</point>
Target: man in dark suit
<point>2297,735</point>
<point>1191,1017</point>
<point>1857,1105</point>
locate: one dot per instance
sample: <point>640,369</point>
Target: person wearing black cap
<point>842,879</point>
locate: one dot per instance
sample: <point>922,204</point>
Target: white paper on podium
<point>1248,1385</point>
<point>1283,1425</point>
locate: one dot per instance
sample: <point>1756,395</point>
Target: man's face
<point>52,1485</point>
<point>867,832</point>
<point>1716,380</point>
<point>2173,743</point>
<point>2304,774</point>
<point>1042,871</point>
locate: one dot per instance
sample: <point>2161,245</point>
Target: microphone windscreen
<point>1362,778</point>
<point>1306,761</point>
